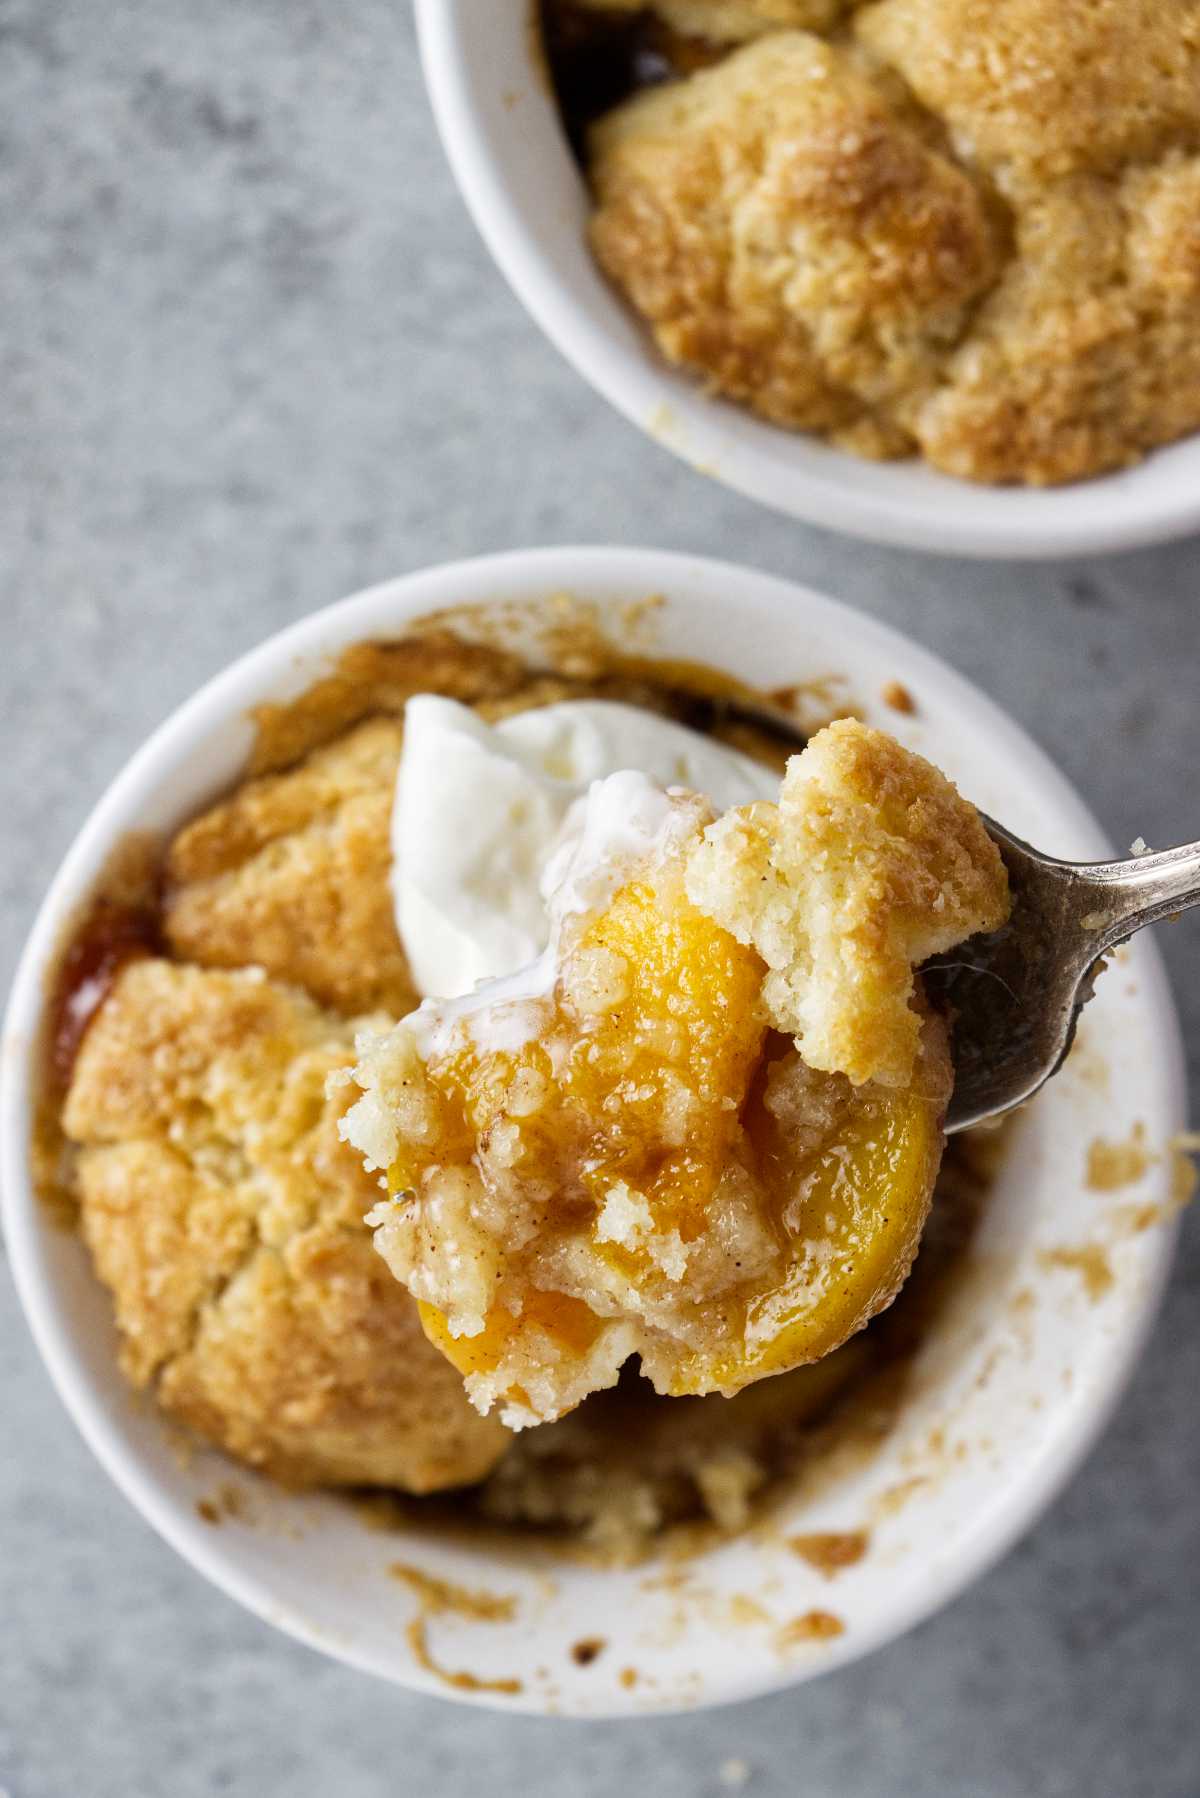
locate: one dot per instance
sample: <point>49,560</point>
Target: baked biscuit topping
<point>1087,353</point>
<point>869,865</point>
<point>963,228</point>
<point>789,234</point>
<point>291,874</point>
<point>1034,89</point>
<point>225,1214</point>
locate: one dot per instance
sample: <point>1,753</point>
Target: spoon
<point>1015,995</point>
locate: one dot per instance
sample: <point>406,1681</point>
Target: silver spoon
<point>1015,996</point>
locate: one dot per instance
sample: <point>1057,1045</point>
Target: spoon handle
<point>1114,899</point>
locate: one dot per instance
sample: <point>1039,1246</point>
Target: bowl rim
<point>263,670</point>
<point>1103,514</point>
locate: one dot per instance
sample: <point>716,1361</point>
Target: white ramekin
<point>498,122</point>
<point>1009,1391</point>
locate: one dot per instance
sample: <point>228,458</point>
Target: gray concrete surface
<point>252,356</point>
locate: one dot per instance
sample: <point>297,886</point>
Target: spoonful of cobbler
<point>704,1126</point>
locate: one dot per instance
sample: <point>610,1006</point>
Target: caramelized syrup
<point>112,935</point>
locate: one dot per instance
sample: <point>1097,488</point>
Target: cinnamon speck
<point>897,695</point>
<point>829,1551</point>
<point>229,1500</point>
<point>628,1677</point>
<point>588,1650</point>
<point>811,1626</point>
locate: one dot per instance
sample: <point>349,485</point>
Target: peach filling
<point>653,1099</point>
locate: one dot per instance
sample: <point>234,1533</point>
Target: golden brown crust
<point>1048,87</point>
<point>1088,352</point>
<point>225,1215</point>
<point>788,235</point>
<point>973,230</point>
<point>291,873</point>
<point>870,864</point>
<point>163,1241</point>
<point>311,1370</point>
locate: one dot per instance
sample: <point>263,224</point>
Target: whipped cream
<point>480,827</point>
<point>623,822</point>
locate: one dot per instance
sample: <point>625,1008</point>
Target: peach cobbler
<point>641,1059</point>
<point>964,229</point>
<point>704,1127</point>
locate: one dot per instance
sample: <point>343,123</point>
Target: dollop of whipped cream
<point>622,823</point>
<point>483,827</point>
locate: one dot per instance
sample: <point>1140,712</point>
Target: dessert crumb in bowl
<point>499,120</point>
<point>692,1578</point>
